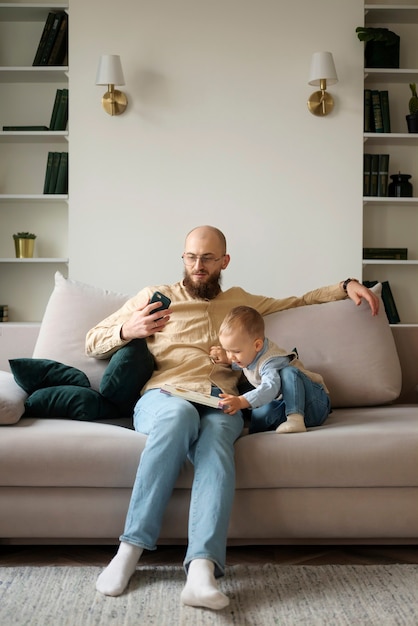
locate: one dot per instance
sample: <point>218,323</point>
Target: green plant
<point>24,236</point>
<point>384,35</point>
<point>413,101</point>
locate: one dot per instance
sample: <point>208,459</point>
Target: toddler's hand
<point>218,355</point>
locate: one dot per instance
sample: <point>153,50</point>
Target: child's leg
<point>267,417</point>
<point>307,403</point>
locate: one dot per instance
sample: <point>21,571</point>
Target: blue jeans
<point>177,430</point>
<point>299,395</point>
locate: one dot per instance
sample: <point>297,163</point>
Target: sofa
<point>67,477</point>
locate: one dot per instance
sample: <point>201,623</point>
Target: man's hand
<point>145,322</point>
<point>218,355</point>
<point>356,291</point>
<point>232,404</point>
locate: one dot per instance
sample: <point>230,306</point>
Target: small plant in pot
<point>412,118</point>
<point>24,245</point>
<point>382,46</point>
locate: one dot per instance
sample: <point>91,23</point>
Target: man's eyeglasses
<point>206,259</point>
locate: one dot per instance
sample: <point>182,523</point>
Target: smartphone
<point>157,296</point>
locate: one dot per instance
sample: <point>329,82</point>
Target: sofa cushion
<point>12,399</point>
<point>354,351</point>
<point>73,308</point>
<point>127,372</point>
<point>69,401</point>
<point>33,374</point>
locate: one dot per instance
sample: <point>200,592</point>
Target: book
<point>56,158</point>
<point>25,128</point>
<point>61,185</point>
<point>192,396</point>
<point>367,161</point>
<point>384,105</point>
<point>367,112</point>
<point>54,112</point>
<point>383,175</point>
<point>388,300</point>
<point>59,49</point>
<point>61,119</point>
<point>374,174</point>
<point>52,35</point>
<point>377,111</point>
<point>4,312</point>
<point>48,171</point>
<point>395,254</point>
<point>47,27</point>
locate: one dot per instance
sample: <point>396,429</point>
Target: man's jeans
<point>300,395</point>
<point>177,430</point>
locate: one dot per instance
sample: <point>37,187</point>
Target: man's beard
<point>205,291</point>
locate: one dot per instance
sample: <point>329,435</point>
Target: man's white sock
<point>201,588</point>
<point>115,578</point>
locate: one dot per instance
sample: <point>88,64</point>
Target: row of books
<point>56,174</point>
<point>59,115</point>
<point>375,174</point>
<point>4,312</point>
<point>53,44</point>
<point>388,300</point>
<point>394,254</point>
<point>376,111</point>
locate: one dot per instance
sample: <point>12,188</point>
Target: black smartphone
<point>157,296</point>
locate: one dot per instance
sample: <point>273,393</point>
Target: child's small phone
<point>157,296</point>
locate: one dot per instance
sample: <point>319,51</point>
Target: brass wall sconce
<point>322,73</point>
<point>110,73</point>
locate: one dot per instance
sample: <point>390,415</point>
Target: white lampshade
<point>322,66</point>
<point>110,70</point>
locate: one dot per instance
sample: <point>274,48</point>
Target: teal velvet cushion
<point>33,374</point>
<point>128,370</point>
<point>70,401</point>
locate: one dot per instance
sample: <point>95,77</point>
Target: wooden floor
<point>173,555</point>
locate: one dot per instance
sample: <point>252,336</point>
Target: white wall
<point>217,131</point>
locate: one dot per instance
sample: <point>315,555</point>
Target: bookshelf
<point>28,93</point>
<point>387,221</point>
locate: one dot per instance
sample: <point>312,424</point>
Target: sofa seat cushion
<point>354,448</point>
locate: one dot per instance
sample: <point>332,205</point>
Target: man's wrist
<point>348,280</point>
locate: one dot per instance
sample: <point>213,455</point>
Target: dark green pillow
<point>128,371</point>
<point>33,374</point>
<point>78,403</point>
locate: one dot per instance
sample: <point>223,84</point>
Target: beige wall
<point>217,131</point>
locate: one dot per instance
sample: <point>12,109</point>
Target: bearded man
<point>180,340</point>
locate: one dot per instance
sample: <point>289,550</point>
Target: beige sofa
<point>353,480</point>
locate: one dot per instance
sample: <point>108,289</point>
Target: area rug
<point>284,595</point>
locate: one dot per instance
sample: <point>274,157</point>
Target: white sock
<point>294,424</point>
<point>201,588</point>
<point>115,578</point>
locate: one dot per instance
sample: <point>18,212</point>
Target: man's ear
<point>225,262</point>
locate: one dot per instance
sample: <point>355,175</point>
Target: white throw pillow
<point>73,308</point>
<point>12,399</point>
<point>353,351</point>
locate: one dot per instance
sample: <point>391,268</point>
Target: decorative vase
<point>400,187</point>
<point>412,122</point>
<point>24,248</point>
<point>378,54</point>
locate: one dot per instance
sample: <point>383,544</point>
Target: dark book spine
<point>25,128</point>
<point>374,174</point>
<point>62,112</point>
<point>58,95</point>
<point>48,171</point>
<point>384,105</point>
<point>62,178</point>
<point>383,177</point>
<point>389,303</point>
<point>377,112</point>
<point>368,112</point>
<point>59,49</point>
<point>44,37</point>
<point>54,171</point>
<point>51,39</point>
<point>367,161</point>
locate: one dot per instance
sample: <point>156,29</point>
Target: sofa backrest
<point>353,351</point>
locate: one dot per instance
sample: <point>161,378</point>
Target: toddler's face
<point>240,347</point>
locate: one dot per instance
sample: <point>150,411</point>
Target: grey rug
<point>286,595</point>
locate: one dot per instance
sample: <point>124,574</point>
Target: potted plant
<point>382,46</point>
<point>412,118</point>
<point>24,245</point>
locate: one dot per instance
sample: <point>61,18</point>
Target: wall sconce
<point>110,73</point>
<point>322,70</point>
